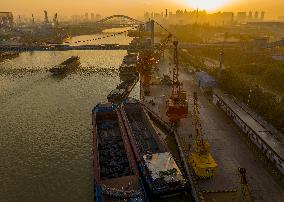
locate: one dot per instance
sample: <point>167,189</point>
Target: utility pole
<point>152,33</point>
<point>221,59</point>
<point>20,22</point>
<point>33,19</point>
<point>245,191</point>
<point>176,67</point>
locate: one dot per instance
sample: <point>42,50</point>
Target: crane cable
<point>107,36</point>
<point>165,29</point>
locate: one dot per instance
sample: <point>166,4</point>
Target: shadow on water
<point>83,71</point>
<point>18,72</point>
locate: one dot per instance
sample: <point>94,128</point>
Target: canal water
<point>45,122</point>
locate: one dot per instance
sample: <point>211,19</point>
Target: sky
<point>273,8</point>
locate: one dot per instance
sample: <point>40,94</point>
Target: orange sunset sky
<point>273,8</point>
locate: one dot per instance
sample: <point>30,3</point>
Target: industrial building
<point>6,19</point>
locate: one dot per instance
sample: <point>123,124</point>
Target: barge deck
<point>158,167</point>
<point>115,170</point>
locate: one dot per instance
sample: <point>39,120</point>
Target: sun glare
<point>208,5</point>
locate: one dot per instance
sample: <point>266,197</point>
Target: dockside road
<point>228,146</point>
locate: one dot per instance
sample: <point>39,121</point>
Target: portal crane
<point>144,66</point>
<point>177,103</point>
<point>200,159</point>
<point>147,59</point>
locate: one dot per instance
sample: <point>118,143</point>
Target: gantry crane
<point>177,103</point>
<point>200,159</point>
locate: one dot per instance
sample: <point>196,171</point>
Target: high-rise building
<point>227,17</point>
<point>98,16</point>
<point>256,15</point>
<point>86,16</point>
<point>45,17</point>
<point>250,15</point>
<point>241,16</point>
<point>92,16</point>
<point>262,15</point>
<point>146,15</point>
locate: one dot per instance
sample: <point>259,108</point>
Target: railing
<point>267,150</point>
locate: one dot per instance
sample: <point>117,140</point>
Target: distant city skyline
<point>273,9</point>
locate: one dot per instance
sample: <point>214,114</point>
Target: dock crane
<point>145,64</point>
<point>177,106</point>
<point>147,60</point>
<point>200,159</point>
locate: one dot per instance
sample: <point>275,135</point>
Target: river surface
<point>45,122</point>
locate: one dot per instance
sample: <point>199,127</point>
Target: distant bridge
<point>119,16</point>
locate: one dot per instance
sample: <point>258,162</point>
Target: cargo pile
<point>113,158</point>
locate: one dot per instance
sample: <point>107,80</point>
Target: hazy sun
<point>208,5</point>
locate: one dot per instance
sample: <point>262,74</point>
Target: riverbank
<point>8,55</point>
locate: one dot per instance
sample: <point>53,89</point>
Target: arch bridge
<point>125,17</point>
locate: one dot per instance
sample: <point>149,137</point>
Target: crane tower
<point>200,158</point>
<point>177,103</point>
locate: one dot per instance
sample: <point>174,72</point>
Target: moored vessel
<point>159,169</point>
<point>122,90</point>
<point>115,170</point>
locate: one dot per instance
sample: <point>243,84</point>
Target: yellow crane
<point>200,158</point>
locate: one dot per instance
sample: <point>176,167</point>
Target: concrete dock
<point>228,146</point>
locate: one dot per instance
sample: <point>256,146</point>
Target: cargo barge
<point>67,66</point>
<point>127,70</point>
<point>115,170</point>
<point>123,90</point>
<point>157,166</point>
<point>128,66</point>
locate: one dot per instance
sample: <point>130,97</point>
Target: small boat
<point>67,66</point>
